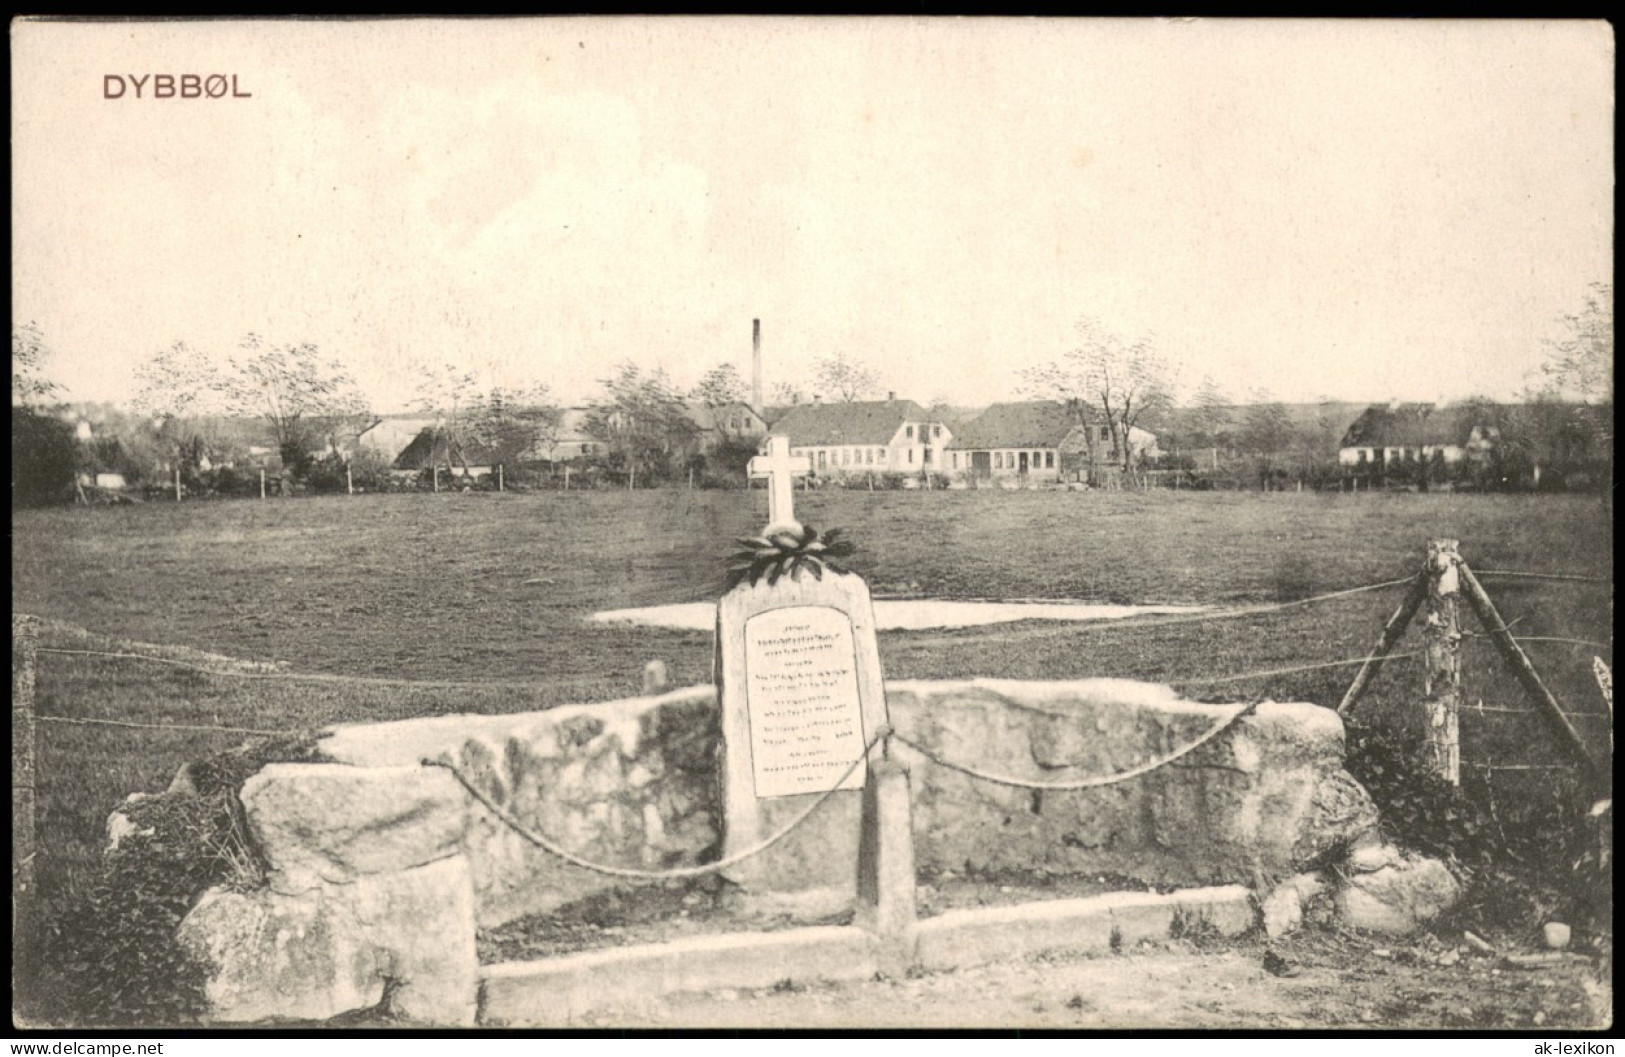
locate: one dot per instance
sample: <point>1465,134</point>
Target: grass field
<point>402,605</point>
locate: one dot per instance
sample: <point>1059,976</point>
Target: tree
<point>1266,431</point>
<point>301,395</point>
<point>28,355</point>
<point>44,450</point>
<point>786,394</point>
<point>1582,363</point>
<point>44,453</point>
<point>449,394</point>
<point>643,421</point>
<point>720,386</point>
<point>176,389</point>
<point>1578,367</point>
<point>1210,415</point>
<point>844,379</point>
<point>509,423</point>
<point>1106,378</point>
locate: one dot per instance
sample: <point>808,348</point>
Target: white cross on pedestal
<point>781,469</point>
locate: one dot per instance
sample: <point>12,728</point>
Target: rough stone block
<point>119,825</point>
<point>1283,908</point>
<point>627,783</point>
<point>297,957</point>
<point>1398,899</point>
<point>337,823</point>
<point>1263,799</point>
<point>332,949</point>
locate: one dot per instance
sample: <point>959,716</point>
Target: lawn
<point>397,605</point>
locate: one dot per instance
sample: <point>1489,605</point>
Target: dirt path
<point>1339,982</point>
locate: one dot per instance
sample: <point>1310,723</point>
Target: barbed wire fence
<point>27,650</point>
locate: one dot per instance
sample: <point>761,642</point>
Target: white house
<point>1388,434</point>
<point>1040,440</point>
<point>879,436</point>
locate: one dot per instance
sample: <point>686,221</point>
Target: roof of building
<point>859,422</point>
<point>708,417</point>
<point>392,433</point>
<point>426,450</point>
<point>1400,425</point>
<point>1019,424</point>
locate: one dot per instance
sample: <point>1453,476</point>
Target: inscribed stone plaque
<point>806,719</point>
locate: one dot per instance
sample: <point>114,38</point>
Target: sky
<point>1356,211</point>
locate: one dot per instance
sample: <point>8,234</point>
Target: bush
<point>1522,857</point>
<point>108,955</point>
<point>44,454</point>
<point>235,483</point>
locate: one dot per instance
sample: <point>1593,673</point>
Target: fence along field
<point>287,616</point>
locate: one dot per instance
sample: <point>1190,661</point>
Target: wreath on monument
<point>788,552</point>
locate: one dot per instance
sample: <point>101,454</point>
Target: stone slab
<point>554,992</point>
<point>962,938</point>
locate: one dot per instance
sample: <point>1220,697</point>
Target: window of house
<point>846,456</point>
<point>820,459</point>
<point>1049,460</point>
<point>927,457</point>
<point>998,460</point>
<point>956,460</point>
<point>1105,433</point>
<point>936,432</point>
<point>911,455</point>
<point>880,455</point>
<point>908,431</point>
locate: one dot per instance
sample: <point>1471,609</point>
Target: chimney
<point>818,398</point>
<point>756,365</point>
<point>891,396</point>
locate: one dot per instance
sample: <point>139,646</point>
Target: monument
<point>798,674</point>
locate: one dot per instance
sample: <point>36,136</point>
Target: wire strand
<point>324,677</point>
<point>1559,577</point>
<point>1072,628</point>
<point>163,726</point>
<point>1288,671</point>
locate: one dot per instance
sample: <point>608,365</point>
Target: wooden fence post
<point>499,477</point>
<point>1441,674</point>
<point>349,482</point>
<point>262,483</point>
<point>1391,632</point>
<point>24,656</point>
<point>177,484</point>
<point>437,479</point>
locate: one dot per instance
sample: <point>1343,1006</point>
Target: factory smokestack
<point>756,365</point>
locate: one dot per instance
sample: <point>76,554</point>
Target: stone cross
<point>781,469</point>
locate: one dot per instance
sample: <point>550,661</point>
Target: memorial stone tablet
<point>801,691</point>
